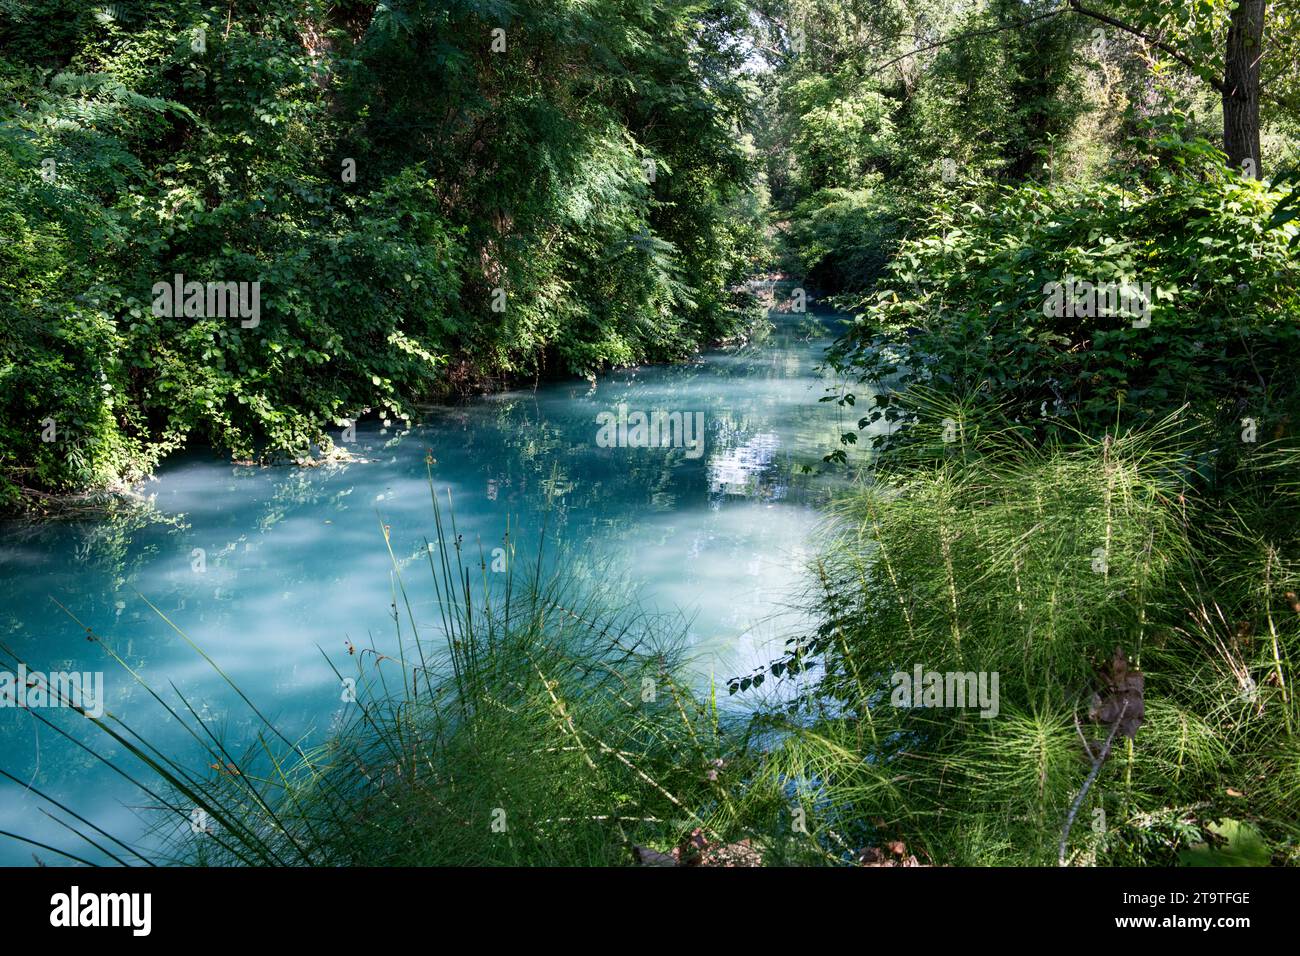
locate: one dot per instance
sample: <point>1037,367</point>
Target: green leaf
<point>1243,846</point>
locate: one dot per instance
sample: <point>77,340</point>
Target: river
<point>266,567</point>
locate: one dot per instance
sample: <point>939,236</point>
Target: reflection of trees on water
<point>100,540</point>
<point>87,563</point>
<point>536,452</point>
<point>747,465</point>
<point>295,489</point>
<point>791,335</point>
<point>522,454</point>
<point>105,551</point>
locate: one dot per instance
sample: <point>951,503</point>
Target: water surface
<point>265,568</point>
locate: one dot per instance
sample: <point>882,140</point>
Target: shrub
<point>963,307</point>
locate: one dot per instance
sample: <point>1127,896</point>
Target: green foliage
<point>1035,563</point>
<point>866,136</point>
<point>1242,846</point>
<point>381,171</point>
<point>845,237</point>
<point>1050,484</point>
<point>964,310</point>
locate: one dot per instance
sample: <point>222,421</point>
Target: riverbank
<point>461,383</point>
<point>204,250</point>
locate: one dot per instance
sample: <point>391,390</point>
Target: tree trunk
<point>1241,87</point>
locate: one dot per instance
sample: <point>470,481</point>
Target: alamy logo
<point>83,691</point>
<point>103,909</point>
<point>953,689</point>
<point>1079,299</point>
<point>658,429</point>
<point>211,300</point>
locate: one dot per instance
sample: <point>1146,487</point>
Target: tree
<point>1241,83</point>
<point>1237,79</point>
<point>1223,42</point>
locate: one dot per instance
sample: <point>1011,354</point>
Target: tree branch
<point>1072,6</point>
<point>1182,58</point>
<point>1097,761</point>
<point>966,36</point>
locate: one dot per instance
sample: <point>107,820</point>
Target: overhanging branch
<point>966,36</point>
<point>1072,6</point>
<point>1164,47</point>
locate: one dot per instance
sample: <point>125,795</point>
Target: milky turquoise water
<point>264,568</point>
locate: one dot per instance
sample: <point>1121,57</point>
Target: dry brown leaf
<point>698,850</point>
<point>1122,700</point>
<point>741,853</point>
<point>875,856</point>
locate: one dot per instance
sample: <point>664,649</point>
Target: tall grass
<point>984,553</point>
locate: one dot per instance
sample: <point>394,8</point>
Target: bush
<point>843,239</point>
<point>963,307</point>
<point>417,223</point>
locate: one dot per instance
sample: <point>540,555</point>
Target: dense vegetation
<point>1073,266</point>
<point>1067,235</point>
<point>431,195</point>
